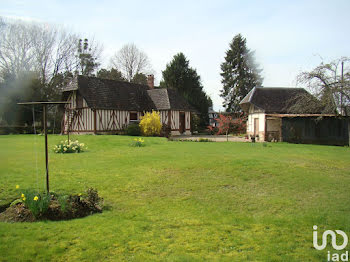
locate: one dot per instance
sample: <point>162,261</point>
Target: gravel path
<point>213,138</point>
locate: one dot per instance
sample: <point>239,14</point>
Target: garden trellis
<point>44,105</point>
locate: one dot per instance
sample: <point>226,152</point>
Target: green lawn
<point>180,201</point>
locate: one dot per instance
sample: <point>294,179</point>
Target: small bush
<point>212,130</point>
<point>204,140</point>
<point>166,131</point>
<point>150,124</point>
<point>69,147</point>
<point>138,142</point>
<point>133,130</point>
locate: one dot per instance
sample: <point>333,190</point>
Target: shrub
<point>212,130</point>
<point>133,130</point>
<point>138,142</point>
<point>69,147</point>
<point>150,124</point>
<point>166,131</point>
<point>204,140</point>
<point>195,122</point>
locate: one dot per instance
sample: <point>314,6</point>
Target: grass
<point>175,201</point>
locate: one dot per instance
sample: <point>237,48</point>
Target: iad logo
<point>335,256</point>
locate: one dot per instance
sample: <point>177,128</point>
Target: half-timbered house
<point>103,106</point>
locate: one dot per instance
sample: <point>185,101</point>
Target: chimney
<point>150,81</point>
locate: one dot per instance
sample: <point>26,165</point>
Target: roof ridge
<point>277,87</point>
<point>112,80</point>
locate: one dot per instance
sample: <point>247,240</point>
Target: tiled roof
<point>110,94</point>
<point>273,99</point>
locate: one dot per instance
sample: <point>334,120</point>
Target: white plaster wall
<point>250,123</point>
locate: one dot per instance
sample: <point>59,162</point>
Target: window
<point>133,116</point>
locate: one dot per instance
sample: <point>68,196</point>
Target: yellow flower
<point>65,149</point>
<point>22,196</point>
<point>24,199</point>
<point>82,144</point>
<point>35,198</point>
<point>17,186</point>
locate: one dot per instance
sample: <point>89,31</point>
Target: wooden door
<point>256,126</point>
<point>182,122</point>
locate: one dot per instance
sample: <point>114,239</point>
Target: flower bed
<point>69,147</point>
<point>33,206</point>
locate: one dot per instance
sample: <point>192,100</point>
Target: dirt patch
<point>17,213</point>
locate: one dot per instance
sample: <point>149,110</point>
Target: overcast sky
<point>287,36</point>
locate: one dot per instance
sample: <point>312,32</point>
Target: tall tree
<point>180,76</point>
<point>87,60</point>
<point>330,84</point>
<point>131,61</point>
<point>240,74</point>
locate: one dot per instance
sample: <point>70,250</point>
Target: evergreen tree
<point>139,78</point>
<point>113,74</point>
<point>180,76</point>
<point>87,62</point>
<point>240,74</point>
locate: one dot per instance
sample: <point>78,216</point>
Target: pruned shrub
<point>150,124</point>
<point>133,130</point>
<point>205,140</point>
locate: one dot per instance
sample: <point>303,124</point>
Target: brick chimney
<point>150,81</point>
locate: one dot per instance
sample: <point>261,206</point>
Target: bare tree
<point>41,48</point>
<point>329,85</point>
<point>131,61</point>
<point>16,49</point>
<point>64,53</point>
